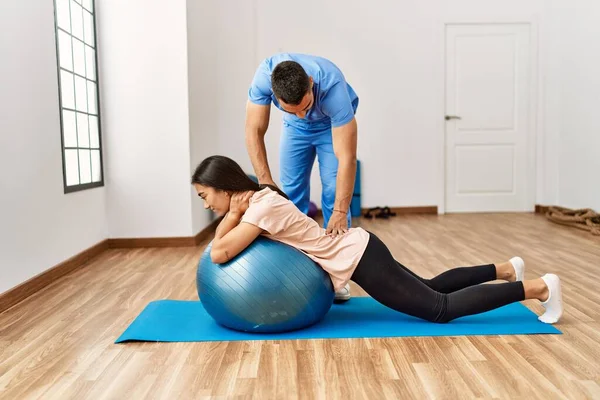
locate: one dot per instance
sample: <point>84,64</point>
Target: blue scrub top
<point>335,100</point>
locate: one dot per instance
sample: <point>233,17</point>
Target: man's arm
<point>257,122</point>
<point>344,147</point>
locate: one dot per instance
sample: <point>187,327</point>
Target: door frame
<point>535,103</point>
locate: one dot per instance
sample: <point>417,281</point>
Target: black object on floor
<point>379,212</point>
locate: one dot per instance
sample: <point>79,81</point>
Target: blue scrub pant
<point>298,148</point>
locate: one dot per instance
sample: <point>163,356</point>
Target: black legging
<point>452,294</point>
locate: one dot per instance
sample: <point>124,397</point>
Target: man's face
<point>301,109</point>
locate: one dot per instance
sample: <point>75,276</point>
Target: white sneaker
<point>343,294</point>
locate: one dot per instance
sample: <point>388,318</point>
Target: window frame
<point>90,185</point>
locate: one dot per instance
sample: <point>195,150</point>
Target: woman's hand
<point>240,202</point>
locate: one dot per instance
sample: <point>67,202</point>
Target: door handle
<point>449,117</point>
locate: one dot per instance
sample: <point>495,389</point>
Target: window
<point>78,93</point>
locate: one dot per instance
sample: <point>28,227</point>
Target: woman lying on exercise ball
<point>251,210</point>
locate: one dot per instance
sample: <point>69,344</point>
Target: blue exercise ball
<point>253,177</point>
<point>268,287</point>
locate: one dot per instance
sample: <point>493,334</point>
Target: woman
<point>251,210</point>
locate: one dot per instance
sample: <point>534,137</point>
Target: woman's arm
<point>233,242</point>
<point>232,237</point>
<point>230,221</point>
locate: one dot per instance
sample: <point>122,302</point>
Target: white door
<point>487,118</point>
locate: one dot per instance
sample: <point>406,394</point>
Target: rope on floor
<point>583,218</point>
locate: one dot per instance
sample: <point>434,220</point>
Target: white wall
<point>40,226</point>
<point>579,66</point>
<point>203,42</point>
<point>393,55</point>
<point>548,110</point>
<point>236,60</point>
<point>221,50</point>
<point>401,128</point>
<point>144,87</point>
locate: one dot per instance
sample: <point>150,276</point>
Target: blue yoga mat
<point>361,317</point>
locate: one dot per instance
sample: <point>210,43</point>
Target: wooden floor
<point>58,344</point>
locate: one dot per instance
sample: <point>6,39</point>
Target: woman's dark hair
<point>289,82</point>
<point>223,173</point>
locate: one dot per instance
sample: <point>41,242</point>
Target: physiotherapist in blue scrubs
<point>319,121</point>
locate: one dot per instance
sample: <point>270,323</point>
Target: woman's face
<point>216,200</point>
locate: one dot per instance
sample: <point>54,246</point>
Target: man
<point>319,120</point>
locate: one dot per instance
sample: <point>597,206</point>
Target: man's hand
<point>344,147</point>
<point>272,184</point>
<point>338,224</point>
<point>267,182</point>
<point>257,123</point>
